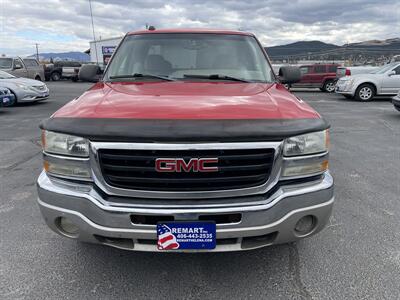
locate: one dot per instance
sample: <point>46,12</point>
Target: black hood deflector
<point>145,130</point>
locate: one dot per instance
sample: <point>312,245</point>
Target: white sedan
<point>364,87</point>
<point>24,89</point>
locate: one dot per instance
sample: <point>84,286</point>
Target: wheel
<point>329,86</point>
<point>365,92</point>
<point>16,100</point>
<point>55,76</point>
<point>38,78</point>
<point>74,78</point>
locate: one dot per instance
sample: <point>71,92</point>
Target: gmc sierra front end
<point>189,143</point>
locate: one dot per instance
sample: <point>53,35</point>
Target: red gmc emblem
<point>180,165</point>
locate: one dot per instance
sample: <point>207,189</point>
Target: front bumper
<point>33,95</point>
<point>268,219</point>
<point>396,102</point>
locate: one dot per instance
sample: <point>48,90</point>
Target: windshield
<point>5,75</point>
<point>384,69</point>
<point>5,63</point>
<point>194,56</point>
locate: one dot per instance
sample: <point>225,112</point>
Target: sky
<point>61,25</point>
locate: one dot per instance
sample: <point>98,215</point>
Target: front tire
<point>365,92</point>
<point>55,76</point>
<point>329,86</point>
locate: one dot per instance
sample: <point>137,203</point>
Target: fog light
<point>67,227</point>
<point>305,225</point>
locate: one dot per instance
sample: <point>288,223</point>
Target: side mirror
<point>391,73</point>
<point>89,73</point>
<point>17,66</point>
<point>289,74</point>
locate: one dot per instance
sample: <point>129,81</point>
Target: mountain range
<point>73,56</point>
<point>320,50</point>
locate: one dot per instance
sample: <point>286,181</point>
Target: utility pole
<point>94,36</point>
<point>37,51</point>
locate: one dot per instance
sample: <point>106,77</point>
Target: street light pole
<point>94,36</point>
<point>37,51</point>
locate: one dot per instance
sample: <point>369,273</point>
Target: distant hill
<point>75,56</point>
<point>372,49</point>
<point>297,48</point>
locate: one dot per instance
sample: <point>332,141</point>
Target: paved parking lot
<point>356,257</point>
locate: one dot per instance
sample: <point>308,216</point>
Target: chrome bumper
<point>268,220</point>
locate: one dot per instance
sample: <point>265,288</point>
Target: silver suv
<point>22,67</point>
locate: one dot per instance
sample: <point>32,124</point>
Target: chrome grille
<point>135,169</point>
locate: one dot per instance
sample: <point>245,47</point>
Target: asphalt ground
<point>356,257</point>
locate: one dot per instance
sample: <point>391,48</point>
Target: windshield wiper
<point>140,75</point>
<point>215,77</point>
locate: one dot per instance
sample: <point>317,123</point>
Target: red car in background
<point>322,76</point>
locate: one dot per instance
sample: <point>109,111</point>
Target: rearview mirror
<point>289,74</point>
<point>89,73</point>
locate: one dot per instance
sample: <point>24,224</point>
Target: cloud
<point>59,25</point>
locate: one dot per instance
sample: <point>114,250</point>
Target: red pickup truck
<point>188,143</point>
<point>322,76</point>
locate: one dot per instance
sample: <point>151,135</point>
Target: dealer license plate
<point>186,235</point>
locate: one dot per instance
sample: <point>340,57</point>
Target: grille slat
<point>135,169</point>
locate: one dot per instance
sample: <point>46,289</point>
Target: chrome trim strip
<point>184,146</point>
<point>114,191</point>
<point>45,183</point>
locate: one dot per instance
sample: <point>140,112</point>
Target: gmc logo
<point>180,165</point>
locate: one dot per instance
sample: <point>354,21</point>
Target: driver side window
<point>17,64</point>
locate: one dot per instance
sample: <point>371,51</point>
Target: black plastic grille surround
<point>135,169</point>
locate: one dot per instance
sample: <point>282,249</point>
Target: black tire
<point>38,78</point>
<point>55,76</point>
<point>329,86</point>
<point>365,92</point>
<point>74,78</point>
<point>16,99</point>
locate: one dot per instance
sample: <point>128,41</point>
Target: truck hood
<point>187,100</point>
<point>186,112</point>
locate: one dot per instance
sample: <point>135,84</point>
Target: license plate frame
<point>186,235</point>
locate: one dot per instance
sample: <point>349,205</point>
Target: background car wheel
<point>16,100</point>
<point>329,86</point>
<point>365,92</point>
<point>55,76</point>
<point>38,78</point>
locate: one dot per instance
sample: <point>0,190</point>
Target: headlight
<point>23,86</point>
<point>310,143</point>
<point>64,144</point>
<point>305,155</point>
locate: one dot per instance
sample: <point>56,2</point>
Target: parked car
<point>185,146</point>
<point>364,87</point>
<point>6,97</point>
<point>322,76</point>
<point>24,89</point>
<point>348,71</point>
<point>396,101</point>
<point>26,67</point>
<point>62,70</point>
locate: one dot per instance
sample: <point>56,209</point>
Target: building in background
<point>104,49</point>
